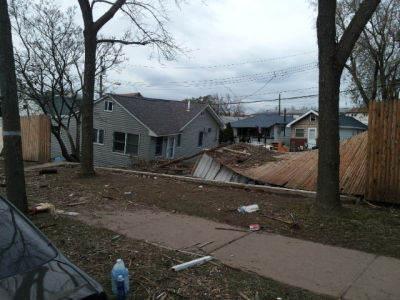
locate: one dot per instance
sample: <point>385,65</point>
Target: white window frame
<point>125,143</point>
<point>108,105</point>
<point>96,139</point>
<point>179,140</point>
<point>313,118</point>
<point>296,135</point>
<point>159,154</point>
<point>200,139</point>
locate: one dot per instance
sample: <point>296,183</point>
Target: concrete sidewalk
<point>338,272</point>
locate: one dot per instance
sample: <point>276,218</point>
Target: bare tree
<point>50,66</point>
<point>333,54</point>
<point>13,163</point>
<point>374,63</point>
<point>147,27</point>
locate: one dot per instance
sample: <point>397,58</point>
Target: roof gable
<point>344,121</point>
<point>302,117</point>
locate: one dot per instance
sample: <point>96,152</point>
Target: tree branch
<point>124,42</point>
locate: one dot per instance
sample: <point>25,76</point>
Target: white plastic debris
<point>192,263</point>
<point>71,195</point>
<point>128,193</point>
<point>248,209</point>
<point>200,186</point>
<point>71,213</point>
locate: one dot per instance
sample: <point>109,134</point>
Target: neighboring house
<point>304,132</point>
<point>360,114</point>
<point>134,128</point>
<point>262,129</point>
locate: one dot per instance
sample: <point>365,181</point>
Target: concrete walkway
<point>338,272</point>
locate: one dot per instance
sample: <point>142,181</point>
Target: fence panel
<point>36,138</point>
<point>383,152</point>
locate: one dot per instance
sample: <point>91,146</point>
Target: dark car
<point>32,268</point>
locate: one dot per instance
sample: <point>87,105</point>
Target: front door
<point>171,147</point>
<point>312,137</point>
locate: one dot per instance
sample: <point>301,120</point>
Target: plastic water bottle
<point>120,288</point>
<point>119,270</point>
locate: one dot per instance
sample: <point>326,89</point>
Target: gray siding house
<point>131,128</point>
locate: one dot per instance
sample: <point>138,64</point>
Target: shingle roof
<point>163,117</point>
<point>345,121</point>
<point>262,120</point>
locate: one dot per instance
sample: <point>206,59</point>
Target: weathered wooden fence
<point>36,138</point>
<point>383,152</point>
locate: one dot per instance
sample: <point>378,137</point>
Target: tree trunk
<point>13,163</point>
<point>87,168</point>
<point>332,58</point>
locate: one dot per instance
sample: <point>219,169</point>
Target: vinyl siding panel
<point>190,136</point>
<point>345,133</point>
<point>121,121</point>
<point>55,145</point>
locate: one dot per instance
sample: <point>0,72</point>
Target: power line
<point>223,66</point>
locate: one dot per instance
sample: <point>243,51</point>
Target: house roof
<point>163,117</point>
<point>344,121</point>
<point>347,122</point>
<point>62,106</point>
<point>227,119</point>
<point>262,120</point>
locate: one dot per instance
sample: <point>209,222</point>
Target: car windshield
<point>21,247</point>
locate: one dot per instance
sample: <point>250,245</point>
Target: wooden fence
<point>383,152</point>
<point>36,138</point>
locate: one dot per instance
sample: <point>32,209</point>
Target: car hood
<point>53,280</point>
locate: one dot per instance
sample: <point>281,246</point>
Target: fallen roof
<point>298,170</point>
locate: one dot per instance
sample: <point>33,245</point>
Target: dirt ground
<point>365,227</point>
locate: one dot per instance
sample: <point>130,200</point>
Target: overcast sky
<point>253,49</point>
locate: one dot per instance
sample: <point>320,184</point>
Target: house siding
<point>55,145</point>
<point>345,133</point>
<point>281,134</point>
<point>121,121</point>
<point>305,123</point>
<point>190,136</point>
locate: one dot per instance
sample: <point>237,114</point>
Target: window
<point>313,117</point>
<point>98,136</point>
<point>159,146</point>
<point>126,143</point>
<point>202,113</point>
<point>299,132</point>
<point>108,105</point>
<point>200,142</point>
<point>209,129</point>
<point>178,140</point>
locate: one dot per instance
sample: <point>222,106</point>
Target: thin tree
<point>332,57</point>
<point>139,14</point>
<point>13,163</point>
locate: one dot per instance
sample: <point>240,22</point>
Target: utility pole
<point>279,107</point>
<point>13,163</point>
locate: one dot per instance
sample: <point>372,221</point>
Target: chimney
<point>188,109</point>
